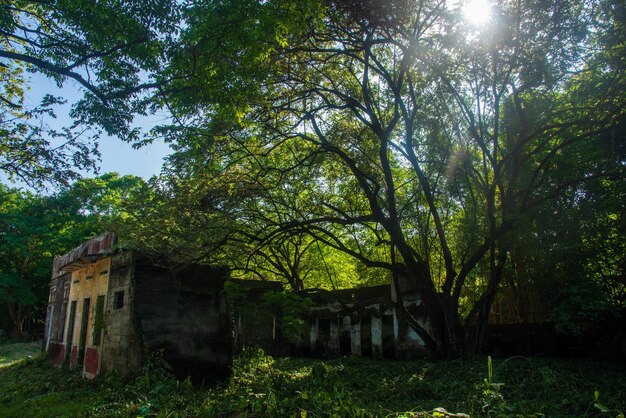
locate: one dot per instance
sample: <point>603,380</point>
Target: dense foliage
<point>111,49</point>
<point>402,137</point>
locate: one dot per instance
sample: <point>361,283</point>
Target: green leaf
<point>601,407</point>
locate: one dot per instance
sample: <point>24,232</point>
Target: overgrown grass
<point>262,386</point>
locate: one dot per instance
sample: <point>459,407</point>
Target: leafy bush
<point>155,391</point>
<point>576,304</point>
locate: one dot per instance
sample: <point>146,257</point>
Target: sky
<point>117,155</point>
<point>121,157</point>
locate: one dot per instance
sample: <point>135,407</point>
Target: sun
<point>477,12</point>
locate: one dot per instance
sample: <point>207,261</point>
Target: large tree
<point>394,132</point>
<point>402,125</point>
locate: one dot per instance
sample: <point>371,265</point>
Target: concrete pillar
<point>345,335</point>
<point>240,332</point>
<point>333,344</point>
<point>399,342</point>
<point>377,337</point>
<point>396,333</point>
<point>355,336</point>
<point>313,334</point>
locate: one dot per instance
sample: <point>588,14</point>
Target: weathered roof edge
<point>88,251</point>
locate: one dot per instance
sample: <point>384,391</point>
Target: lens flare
<point>477,12</point>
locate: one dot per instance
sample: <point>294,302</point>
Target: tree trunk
<point>17,317</point>
<point>442,319</point>
<point>479,316</point>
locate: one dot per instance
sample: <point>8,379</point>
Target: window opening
<point>70,329</point>
<point>118,302</point>
<point>59,336</point>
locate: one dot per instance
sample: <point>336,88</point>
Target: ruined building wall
<point>87,297</point>
<point>361,321</point>
<point>75,317</point>
<point>56,316</point>
<point>254,330</point>
<point>364,322</point>
<point>122,345</point>
<point>183,312</point>
<point>377,332</point>
<point>107,312</point>
<point>253,323</point>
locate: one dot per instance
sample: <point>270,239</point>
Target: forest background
<point>331,144</point>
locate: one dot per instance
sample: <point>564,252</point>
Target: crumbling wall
<point>253,322</point>
<point>89,284</point>
<point>120,308</point>
<point>182,312</point>
<point>112,309</point>
<point>408,343</point>
<point>364,322</point>
<point>122,351</point>
<point>75,317</point>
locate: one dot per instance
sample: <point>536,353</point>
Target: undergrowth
<point>263,386</point>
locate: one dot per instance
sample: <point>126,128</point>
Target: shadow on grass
<point>353,386</point>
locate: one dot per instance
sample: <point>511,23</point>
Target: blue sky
<point>116,155</point>
<point>121,157</point>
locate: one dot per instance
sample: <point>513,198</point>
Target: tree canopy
<point>338,143</point>
<point>112,50</point>
<point>361,125</point>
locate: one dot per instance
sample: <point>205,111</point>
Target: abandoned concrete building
<point>109,309</point>
<point>363,322</point>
